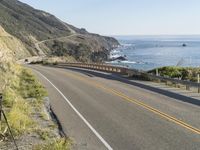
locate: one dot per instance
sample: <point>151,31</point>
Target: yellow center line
<point>135,101</point>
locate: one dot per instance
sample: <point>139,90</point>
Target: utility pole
<point>198,81</point>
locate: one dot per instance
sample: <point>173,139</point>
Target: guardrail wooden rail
<point>100,67</point>
<point>132,72</point>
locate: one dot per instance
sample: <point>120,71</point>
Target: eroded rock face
<point>10,47</point>
<point>5,52</point>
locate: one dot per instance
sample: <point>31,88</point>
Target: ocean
<point>148,52</point>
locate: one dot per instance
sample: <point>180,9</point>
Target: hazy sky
<point>127,17</point>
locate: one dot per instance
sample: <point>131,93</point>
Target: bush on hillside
<point>184,73</point>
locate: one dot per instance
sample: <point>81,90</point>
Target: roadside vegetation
<point>183,73</point>
<point>53,60</point>
<point>59,144</point>
<point>23,103</point>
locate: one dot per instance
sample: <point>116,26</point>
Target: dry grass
<point>10,46</point>
<point>23,100</point>
<point>56,144</point>
<point>21,86</point>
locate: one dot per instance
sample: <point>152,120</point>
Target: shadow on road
<point>130,81</point>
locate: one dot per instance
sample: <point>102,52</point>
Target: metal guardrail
<point>132,72</point>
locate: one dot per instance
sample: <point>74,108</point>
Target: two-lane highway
<point>100,112</point>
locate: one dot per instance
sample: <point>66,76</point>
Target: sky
<point>127,17</point>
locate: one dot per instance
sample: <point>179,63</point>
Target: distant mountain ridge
<point>32,26</point>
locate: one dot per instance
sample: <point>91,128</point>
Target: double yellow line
<point>135,101</point>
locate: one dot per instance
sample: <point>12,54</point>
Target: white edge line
<point>79,114</point>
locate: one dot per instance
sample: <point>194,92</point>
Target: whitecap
<point>128,62</point>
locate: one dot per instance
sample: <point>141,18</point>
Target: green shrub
<point>185,73</point>
<point>43,133</point>
<point>30,87</point>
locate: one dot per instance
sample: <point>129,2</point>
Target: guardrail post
<point>198,89</point>
<point>176,85</point>
<point>157,73</point>
<point>187,87</point>
<point>198,80</point>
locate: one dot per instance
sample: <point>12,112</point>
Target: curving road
<point>103,111</point>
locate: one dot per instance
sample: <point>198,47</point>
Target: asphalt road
<point>100,111</point>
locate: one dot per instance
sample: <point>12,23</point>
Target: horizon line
<point>151,34</point>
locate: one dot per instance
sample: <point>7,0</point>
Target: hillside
<point>10,47</point>
<point>44,34</point>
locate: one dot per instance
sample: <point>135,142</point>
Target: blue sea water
<point>148,52</point>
